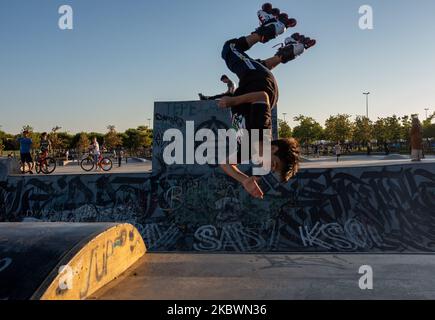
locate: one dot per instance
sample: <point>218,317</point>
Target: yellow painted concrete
<point>100,261</point>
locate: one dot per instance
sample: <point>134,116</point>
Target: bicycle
<point>88,163</point>
<point>44,164</point>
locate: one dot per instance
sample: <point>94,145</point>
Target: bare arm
<point>249,183</point>
<point>248,98</point>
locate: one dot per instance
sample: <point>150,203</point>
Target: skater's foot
<point>275,26</point>
<point>294,46</point>
<point>296,37</point>
<point>267,13</point>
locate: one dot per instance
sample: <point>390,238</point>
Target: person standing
<point>26,157</point>
<point>416,140</point>
<point>369,148</point>
<point>120,155</point>
<point>386,148</point>
<point>45,145</point>
<point>337,150</point>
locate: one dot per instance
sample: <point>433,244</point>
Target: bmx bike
<point>45,164</point>
<point>88,163</point>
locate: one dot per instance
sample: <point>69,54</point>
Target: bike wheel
<point>48,165</point>
<point>87,164</point>
<point>106,164</point>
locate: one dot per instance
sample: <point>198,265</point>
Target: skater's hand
<point>225,102</point>
<point>251,186</point>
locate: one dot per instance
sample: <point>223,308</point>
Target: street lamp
<point>284,114</point>
<point>426,109</point>
<point>367,103</point>
<point>149,123</point>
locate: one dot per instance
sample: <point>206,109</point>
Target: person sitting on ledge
<point>230,91</point>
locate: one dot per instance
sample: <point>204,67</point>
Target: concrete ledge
<point>64,261</point>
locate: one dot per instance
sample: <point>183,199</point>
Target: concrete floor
<point>131,167</point>
<point>273,276</point>
<point>134,166</point>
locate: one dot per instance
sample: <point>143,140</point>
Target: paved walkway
<point>145,166</point>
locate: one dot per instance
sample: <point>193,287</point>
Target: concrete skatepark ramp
<point>64,261</point>
<point>371,209</point>
<point>189,209</point>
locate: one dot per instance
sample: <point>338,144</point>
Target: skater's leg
<point>289,52</point>
<point>272,62</point>
<point>236,59</point>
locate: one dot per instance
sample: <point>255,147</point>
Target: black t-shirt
<point>260,117</point>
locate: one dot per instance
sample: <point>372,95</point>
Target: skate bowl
<point>64,261</point>
<point>189,208</point>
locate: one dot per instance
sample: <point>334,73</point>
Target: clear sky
<point>123,55</point>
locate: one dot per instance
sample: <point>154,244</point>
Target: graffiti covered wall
<point>180,208</point>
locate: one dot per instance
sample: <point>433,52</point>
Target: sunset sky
<point>122,56</point>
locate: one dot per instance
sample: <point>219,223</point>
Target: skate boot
<point>275,26</point>
<point>296,37</point>
<point>294,46</point>
<point>267,13</point>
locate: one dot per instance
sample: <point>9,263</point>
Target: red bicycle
<point>88,163</point>
<point>45,164</point>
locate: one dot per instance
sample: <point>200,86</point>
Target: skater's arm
<point>248,98</point>
<point>249,183</point>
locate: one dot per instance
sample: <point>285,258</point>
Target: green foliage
<point>308,130</point>
<point>83,142</point>
<point>112,138</point>
<point>362,130</point>
<point>284,130</point>
<point>338,128</point>
<point>429,127</point>
<point>136,139</point>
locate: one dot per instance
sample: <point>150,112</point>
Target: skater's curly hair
<point>290,155</point>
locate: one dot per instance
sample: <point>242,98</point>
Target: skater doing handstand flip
<point>257,94</point>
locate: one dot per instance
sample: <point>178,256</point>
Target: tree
<point>362,130</point>
<point>112,139</point>
<point>284,130</point>
<point>82,143</point>
<point>393,128</point>
<point>135,139</point>
<point>380,130</point>
<point>406,124</point>
<point>429,127</point>
<point>55,140</point>
<point>67,139</point>
<point>308,130</point>
<point>338,128</point>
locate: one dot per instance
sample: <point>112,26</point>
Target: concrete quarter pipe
<point>56,261</point>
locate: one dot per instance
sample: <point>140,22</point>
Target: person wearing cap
<point>25,146</point>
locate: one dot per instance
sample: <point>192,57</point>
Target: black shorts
<point>260,117</point>
<point>26,158</point>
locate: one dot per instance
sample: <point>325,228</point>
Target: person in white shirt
<point>95,150</point>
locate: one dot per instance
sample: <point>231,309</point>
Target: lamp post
<point>367,103</point>
<point>284,114</point>
<point>149,123</point>
<point>426,109</point>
